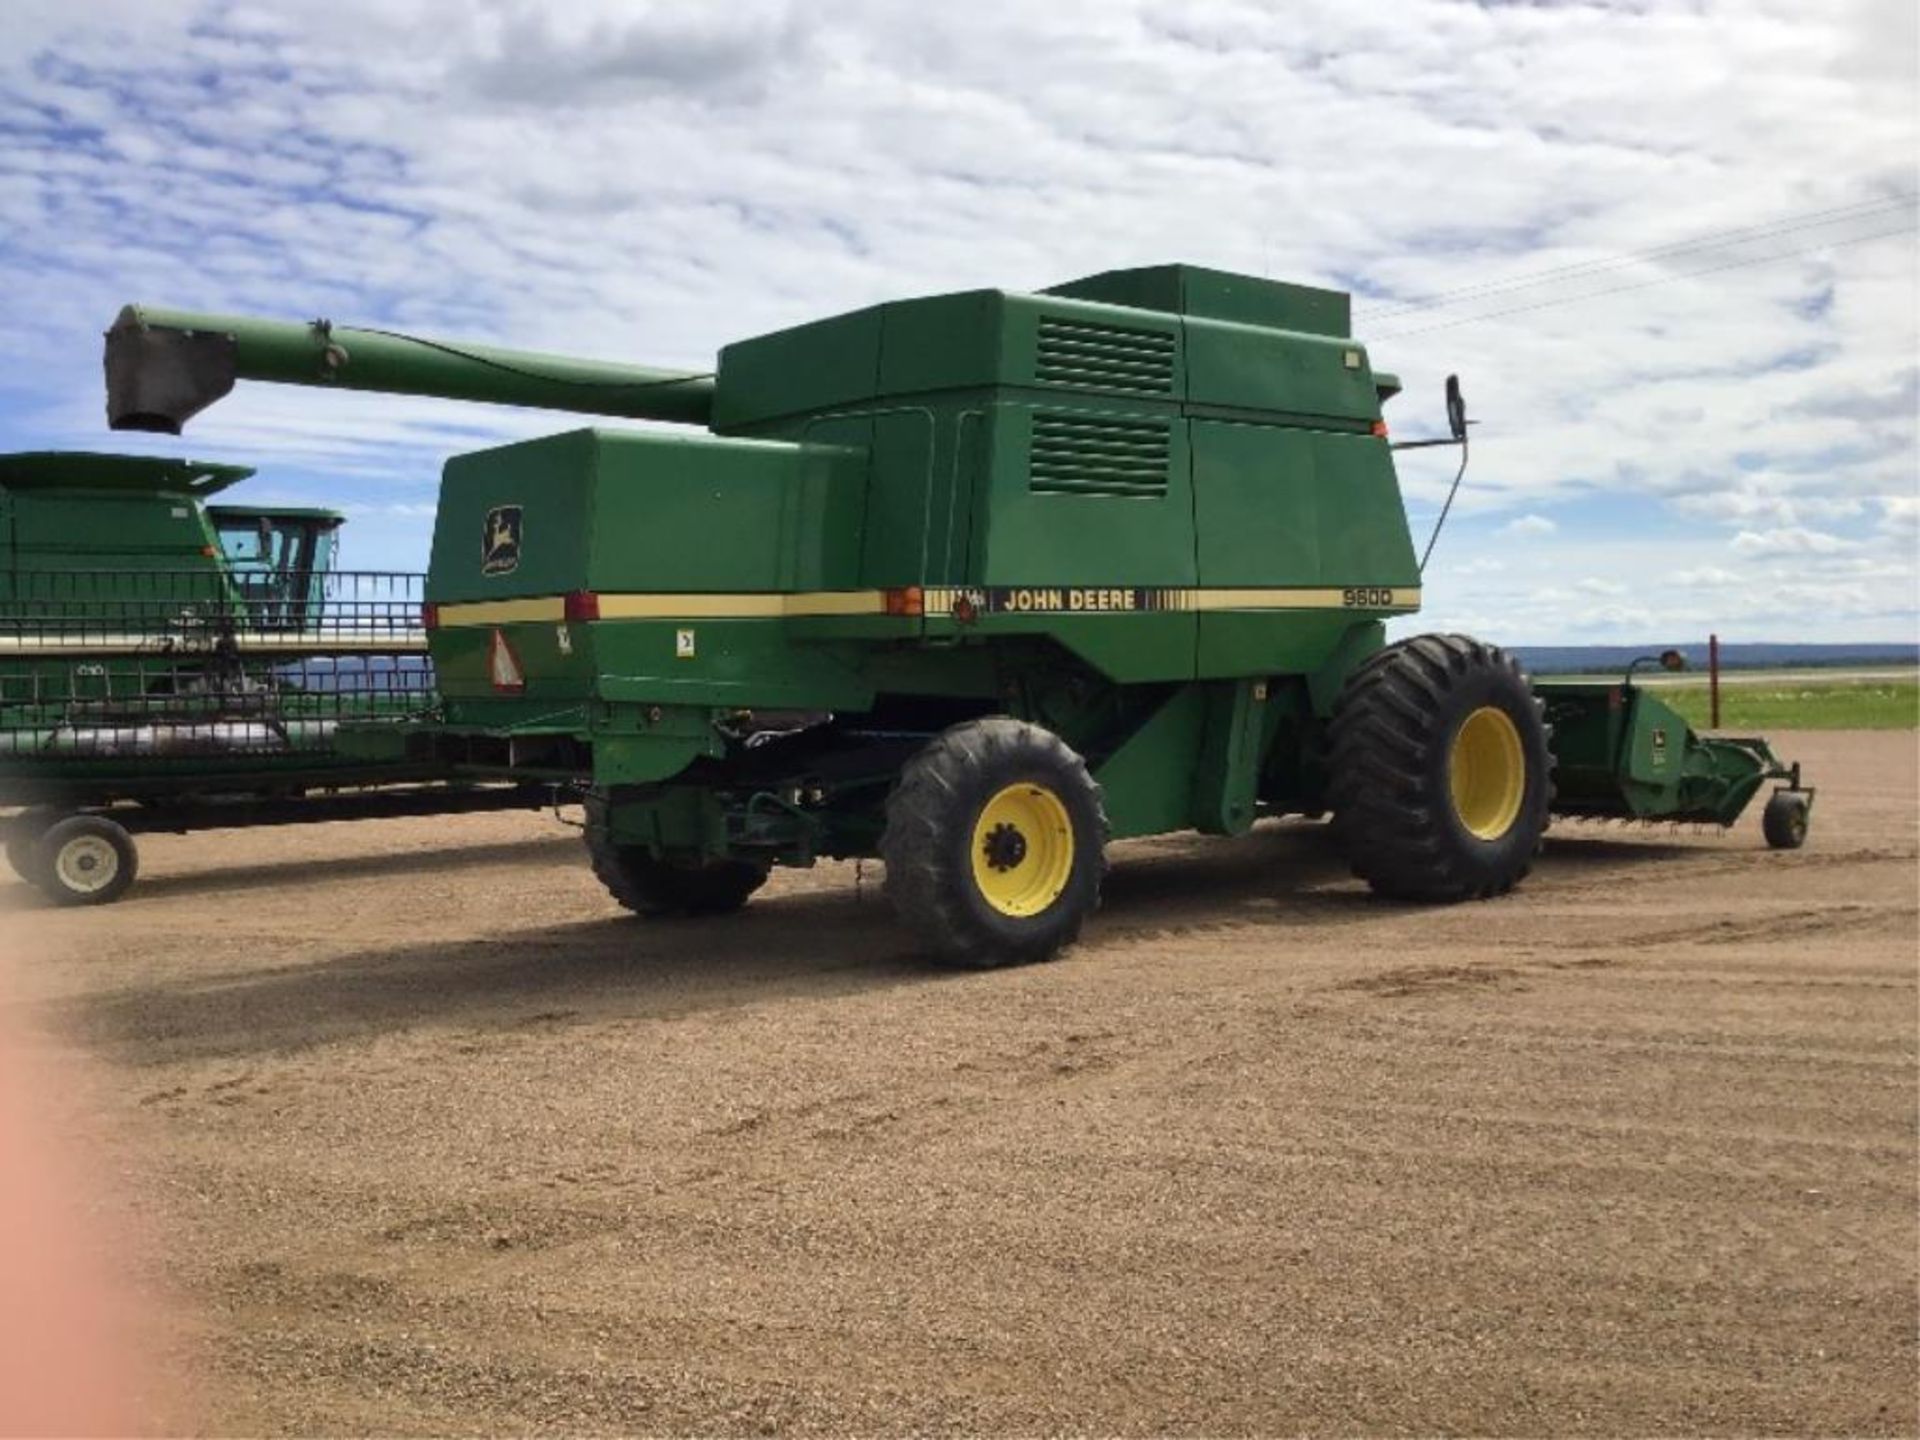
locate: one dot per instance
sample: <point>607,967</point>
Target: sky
<point>1673,243</point>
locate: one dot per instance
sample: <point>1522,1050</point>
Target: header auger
<point>973,583</point>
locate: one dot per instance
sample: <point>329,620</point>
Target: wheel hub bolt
<point>1005,847</point>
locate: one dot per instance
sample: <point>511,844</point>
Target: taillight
<point>581,605</point>
<point>908,600</point>
<point>1380,428</point>
<point>429,616</point>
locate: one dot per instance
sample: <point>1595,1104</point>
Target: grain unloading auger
<point>166,366</point>
<point>973,583</point>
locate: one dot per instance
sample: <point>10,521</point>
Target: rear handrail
<point>179,611</point>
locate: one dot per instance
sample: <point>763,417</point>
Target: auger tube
<point>166,366</point>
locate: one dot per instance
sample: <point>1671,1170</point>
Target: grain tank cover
<point>1218,295</point>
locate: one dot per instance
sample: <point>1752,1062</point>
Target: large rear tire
<point>648,885</point>
<point>1441,773</point>
<point>995,844</point>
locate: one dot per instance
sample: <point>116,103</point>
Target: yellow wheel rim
<point>1487,772</point>
<point>1022,850</point>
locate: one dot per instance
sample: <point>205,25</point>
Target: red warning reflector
<point>503,666</point>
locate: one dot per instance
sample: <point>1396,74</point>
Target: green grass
<point>1803,705</point>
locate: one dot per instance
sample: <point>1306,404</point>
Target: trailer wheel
<point>1441,774</point>
<point>85,860</point>
<point>23,841</point>
<point>648,885</point>
<point>1784,821</point>
<point>995,844</point>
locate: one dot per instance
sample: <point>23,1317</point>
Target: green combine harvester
<point>974,584</point>
<point>170,664</point>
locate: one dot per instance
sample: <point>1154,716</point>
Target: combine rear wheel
<point>995,844</point>
<point>1440,773</point>
<point>648,885</point>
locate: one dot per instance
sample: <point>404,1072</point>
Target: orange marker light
<point>909,600</point>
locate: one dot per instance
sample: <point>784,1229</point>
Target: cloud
<point>1529,525</point>
<point>1788,540</point>
<point>1706,577</point>
<point>580,55</point>
<point>1781,506</point>
<point>642,180</point>
<point>1900,516</point>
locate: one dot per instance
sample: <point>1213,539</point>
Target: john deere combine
<point>171,664</point>
<point>973,583</point>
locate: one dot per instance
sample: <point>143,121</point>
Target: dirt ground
<point>433,1139</point>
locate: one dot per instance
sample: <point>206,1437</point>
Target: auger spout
<point>166,366</point>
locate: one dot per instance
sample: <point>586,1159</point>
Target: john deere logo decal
<point>500,545</point>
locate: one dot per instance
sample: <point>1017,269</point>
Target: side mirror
<point>1456,408</point>
<point>1672,660</point>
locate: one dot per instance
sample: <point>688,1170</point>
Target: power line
<point>1907,229</point>
<point>1713,240</point>
<point>545,376</point>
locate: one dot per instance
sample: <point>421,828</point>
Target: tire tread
<point>1386,722</point>
<point>652,887</point>
<point>923,814</point>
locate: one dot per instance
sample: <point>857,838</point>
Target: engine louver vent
<point>1104,357</point>
<point>1099,455</point>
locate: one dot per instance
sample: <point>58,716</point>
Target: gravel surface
<point>433,1139</point>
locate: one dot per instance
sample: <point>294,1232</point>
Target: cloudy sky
<point>1673,243</point>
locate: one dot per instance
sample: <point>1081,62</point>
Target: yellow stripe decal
<point>505,612</point>
<point>1108,600</point>
<point>674,607</point>
<point>1359,597</point>
<point>942,601</point>
<point>741,607</point>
